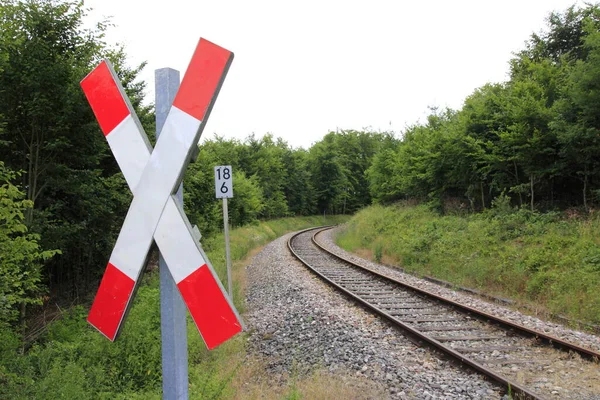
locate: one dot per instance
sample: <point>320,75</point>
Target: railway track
<point>527,363</point>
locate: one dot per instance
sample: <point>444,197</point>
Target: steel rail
<point>511,386</point>
<point>544,337</point>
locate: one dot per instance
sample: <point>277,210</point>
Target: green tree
<point>330,176</point>
<point>484,117</point>
<point>564,38</point>
<point>339,165</point>
<point>199,199</point>
<point>248,200</point>
<point>20,255</point>
<point>298,186</point>
<point>385,179</point>
<point>578,124</point>
<point>527,137</point>
<point>79,197</point>
<point>528,143</point>
<point>45,56</point>
<point>264,159</point>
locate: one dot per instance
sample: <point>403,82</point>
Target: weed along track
<point>527,363</point>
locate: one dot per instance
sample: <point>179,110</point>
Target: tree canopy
<point>76,195</point>
<point>534,138</point>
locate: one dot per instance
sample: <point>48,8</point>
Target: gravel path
<point>299,324</point>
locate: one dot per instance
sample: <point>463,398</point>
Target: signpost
<point>154,214</point>
<point>173,330</point>
<point>224,190</point>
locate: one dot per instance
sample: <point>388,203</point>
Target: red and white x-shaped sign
<point>153,177</point>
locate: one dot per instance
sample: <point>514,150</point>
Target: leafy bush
<point>20,255</point>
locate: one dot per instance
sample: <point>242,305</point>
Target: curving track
<point>516,357</point>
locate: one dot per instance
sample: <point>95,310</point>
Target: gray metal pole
<point>227,253</point>
<point>172,308</point>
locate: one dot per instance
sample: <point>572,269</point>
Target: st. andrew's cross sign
<point>154,176</point>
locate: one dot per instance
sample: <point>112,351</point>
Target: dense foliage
<point>272,180</point>
<point>535,138</point>
<point>21,257</point>
<point>63,190</point>
<point>50,133</point>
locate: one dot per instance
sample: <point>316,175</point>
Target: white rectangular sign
<point>223,181</point>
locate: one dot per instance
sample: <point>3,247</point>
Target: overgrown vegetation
<point>550,260</point>
<point>71,360</point>
<point>77,196</point>
<point>21,256</point>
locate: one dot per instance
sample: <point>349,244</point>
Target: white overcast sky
<point>304,68</point>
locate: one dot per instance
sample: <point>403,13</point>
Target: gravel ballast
<point>298,324</point>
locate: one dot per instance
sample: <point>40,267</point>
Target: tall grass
<point>548,260</point>
<point>73,361</point>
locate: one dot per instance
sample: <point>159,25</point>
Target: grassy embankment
<point>73,361</point>
<point>548,261</point>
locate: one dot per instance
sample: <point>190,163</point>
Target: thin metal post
<point>227,253</point>
<point>172,308</point>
